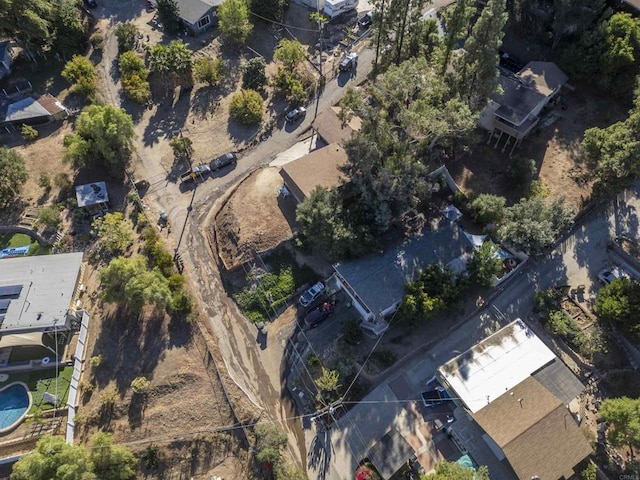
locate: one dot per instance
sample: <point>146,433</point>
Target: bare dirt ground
<point>184,404</point>
<point>254,219</point>
<point>555,150</point>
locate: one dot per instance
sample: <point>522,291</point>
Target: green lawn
<point>41,381</point>
<point>8,240</point>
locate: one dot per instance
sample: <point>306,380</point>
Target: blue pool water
<point>14,402</point>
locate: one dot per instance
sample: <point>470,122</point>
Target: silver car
<point>311,294</point>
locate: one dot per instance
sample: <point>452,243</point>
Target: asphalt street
<point>576,260</point>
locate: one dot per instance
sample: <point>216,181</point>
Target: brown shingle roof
<point>329,126</point>
<point>317,169</point>
<point>535,431</point>
<point>544,77</point>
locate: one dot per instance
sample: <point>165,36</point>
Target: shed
<point>35,110</point>
<point>93,196</point>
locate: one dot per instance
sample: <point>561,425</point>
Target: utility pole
<point>380,25</point>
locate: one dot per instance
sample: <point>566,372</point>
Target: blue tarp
<point>14,251</point>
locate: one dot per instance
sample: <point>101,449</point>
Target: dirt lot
<point>184,404</point>
<point>254,219</point>
<point>554,148</point>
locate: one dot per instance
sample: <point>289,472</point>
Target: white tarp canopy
<point>91,194</point>
<point>22,339</point>
<point>450,212</point>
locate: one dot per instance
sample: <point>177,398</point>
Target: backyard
<point>15,240</point>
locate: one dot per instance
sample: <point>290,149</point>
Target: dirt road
<point>256,368</point>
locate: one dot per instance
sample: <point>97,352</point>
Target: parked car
<point>223,161</point>
<point>608,275</point>
<point>348,62</point>
<point>434,396</point>
<point>311,294</point>
<point>90,3</point>
<point>318,314</point>
<point>201,170</point>
<point>295,114</point>
<point>366,20</point>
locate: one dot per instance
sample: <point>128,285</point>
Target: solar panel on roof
<point>2,319</point>
<point>4,304</point>
<point>10,290</point>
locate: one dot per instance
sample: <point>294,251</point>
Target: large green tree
<point>55,459</point>
<point>127,281</point>
<point>174,61</point>
<point>488,208</point>
<point>67,28</point>
<point>115,232</point>
<point>270,442</point>
<point>290,53</point>
<point>607,54</point>
<point>246,107</point>
<point>254,75</point>
<point>169,15</point>
<point>110,460</point>
<point>13,174</point>
<point>484,264</point>
<point>233,21</point>
<point>614,151</point>
<point>434,291</point>
<point>104,138</point>
<point>325,221</point>
<point>623,416</point>
<point>533,224</point>
<point>619,302</point>
<point>457,19</point>
<point>476,70</point>
<point>81,74</point>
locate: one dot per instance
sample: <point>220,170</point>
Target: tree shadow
<point>167,120</point>
<point>240,133</point>
<point>320,452</point>
<point>137,407</point>
<point>132,345</point>
<point>205,101</point>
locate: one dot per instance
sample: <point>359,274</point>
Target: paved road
<point>575,261</point>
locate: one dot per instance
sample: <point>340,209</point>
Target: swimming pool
<point>15,402</point>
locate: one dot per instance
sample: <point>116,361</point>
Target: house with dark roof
<point>39,304</point>
<point>198,15</point>
<point>320,168</point>
<point>6,59</point>
<point>33,111</point>
<point>515,108</point>
<point>375,284</point>
<point>516,392</point>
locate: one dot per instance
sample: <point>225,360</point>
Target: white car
<point>310,295</point>
<point>608,275</point>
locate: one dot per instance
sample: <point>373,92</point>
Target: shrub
<point>386,358</point>
<point>313,360</point>
<point>246,107</point>
<point>253,75</point>
<point>561,324</point>
<point>50,217</point>
<point>61,180</point>
<point>97,41</point>
<point>96,360</point>
<point>28,133</point>
<point>44,181</point>
<point>209,70</point>
<point>352,332</point>
<point>181,303</point>
<point>520,173</point>
<point>151,457</point>
<point>159,257</point>
<point>140,385</point>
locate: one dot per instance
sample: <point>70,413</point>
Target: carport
<point>390,453</point>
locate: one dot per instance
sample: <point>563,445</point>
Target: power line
<point>283,24</point>
<point>370,353</point>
